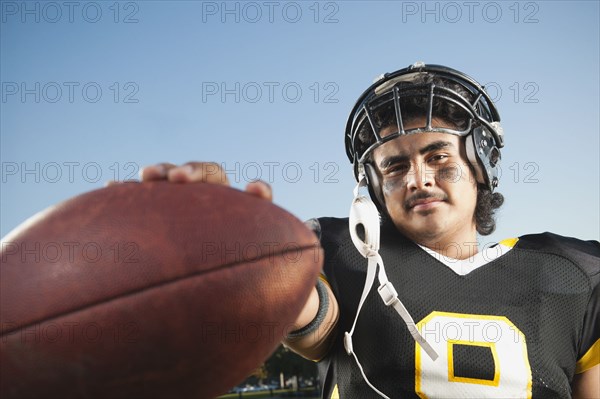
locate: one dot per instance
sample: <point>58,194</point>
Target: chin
<point>429,233</point>
<point>421,232</point>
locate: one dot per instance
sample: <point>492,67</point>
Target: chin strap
<point>363,212</point>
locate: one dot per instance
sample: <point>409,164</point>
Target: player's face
<point>429,190</point>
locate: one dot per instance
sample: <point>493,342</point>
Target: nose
<point>420,177</point>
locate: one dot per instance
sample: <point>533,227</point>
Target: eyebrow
<point>435,146</point>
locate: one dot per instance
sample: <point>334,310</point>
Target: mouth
<point>426,204</point>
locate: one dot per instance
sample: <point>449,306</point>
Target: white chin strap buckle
<point>363,212</point>
<point>388,293</point>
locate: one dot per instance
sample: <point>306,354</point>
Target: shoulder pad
<point>586,254</point>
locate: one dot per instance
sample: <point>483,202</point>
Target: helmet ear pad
<point>484,154</point>
<point>374,186</point>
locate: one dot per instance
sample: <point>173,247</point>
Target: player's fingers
<point>261,189</point>
<point>156,172</point>
<point>192,172</point>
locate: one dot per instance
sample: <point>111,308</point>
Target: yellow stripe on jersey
<point>509,242</point>
<point>590,359</point>
<point>335,394</point>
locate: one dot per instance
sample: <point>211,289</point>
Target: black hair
<point>487,204</point>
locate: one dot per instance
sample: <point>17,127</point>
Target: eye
<point>395,169</point>
<point>437,158</point>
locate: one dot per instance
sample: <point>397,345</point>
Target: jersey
<point>521,325</point>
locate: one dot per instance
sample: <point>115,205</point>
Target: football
<point>144,290</point>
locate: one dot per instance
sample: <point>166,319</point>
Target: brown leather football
<point>149,290</point>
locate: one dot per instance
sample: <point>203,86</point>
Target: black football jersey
<point>520,326</point>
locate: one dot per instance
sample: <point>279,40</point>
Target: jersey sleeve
<point>586,254</point>
<point>589,348</point>
<point>315,226</point>
<point>311,327</point>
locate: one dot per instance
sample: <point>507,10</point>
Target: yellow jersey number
<point>504,341</point>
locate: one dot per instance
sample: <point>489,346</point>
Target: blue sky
<point>97,90</point>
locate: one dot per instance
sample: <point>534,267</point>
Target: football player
<point>448,318</point>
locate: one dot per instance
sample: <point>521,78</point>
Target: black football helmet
<point>431,88</point>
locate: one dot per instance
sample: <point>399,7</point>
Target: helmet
<point>429,91</point>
